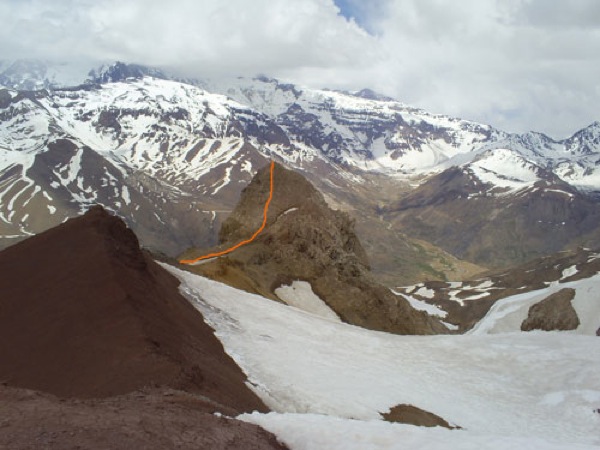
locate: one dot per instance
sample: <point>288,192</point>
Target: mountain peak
<point>291,191</point>
<point>120,71</point>
<point>307,240</point>
<point>372,95</point>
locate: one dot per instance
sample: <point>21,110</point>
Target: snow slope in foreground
<point>515,390</point>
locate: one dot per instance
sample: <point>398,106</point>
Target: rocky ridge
<point>306,240</point>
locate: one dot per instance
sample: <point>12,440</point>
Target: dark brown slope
<point>84,313</point>
<point>306,240</point>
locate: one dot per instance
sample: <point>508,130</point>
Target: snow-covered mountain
<point>360,129</point>
<point>575,160</point>
<point>380,134</point>
<point>172,156</point>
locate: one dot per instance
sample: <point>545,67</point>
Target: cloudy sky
<point>516,64</point>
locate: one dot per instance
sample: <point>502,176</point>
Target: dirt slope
<point>142,420</point>
<point>85,313</point>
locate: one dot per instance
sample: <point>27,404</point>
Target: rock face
<point>306,240</point>
<point>85,313</point>
<point>415,416</point>
<point>553,313</point>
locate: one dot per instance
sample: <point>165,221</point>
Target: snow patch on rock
<point>300,295</point>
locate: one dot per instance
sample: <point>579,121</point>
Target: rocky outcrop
<point>553,313</point>
<point>306,240</point>
<point>415,416</point>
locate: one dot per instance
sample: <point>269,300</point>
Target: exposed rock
<point>85,313</point>
<point>5,98</point>
<point>415,416</point>
<point>306,240</point>
<point>553,313</point>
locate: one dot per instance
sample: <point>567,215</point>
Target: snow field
<point>300,295</point>
<point>506,169</point>
<point>317,432</point>
<point>421,305</point>
<point>513,390</point>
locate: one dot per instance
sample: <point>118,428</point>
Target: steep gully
<point>245,242</point>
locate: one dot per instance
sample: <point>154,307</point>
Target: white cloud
<point>517,64</point>
<point>208,35</point>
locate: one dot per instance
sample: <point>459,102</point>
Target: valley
<point>434,197</point>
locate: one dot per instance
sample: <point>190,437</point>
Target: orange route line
<point>247,241</point>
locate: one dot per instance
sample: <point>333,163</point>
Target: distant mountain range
<point>431,194</point>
